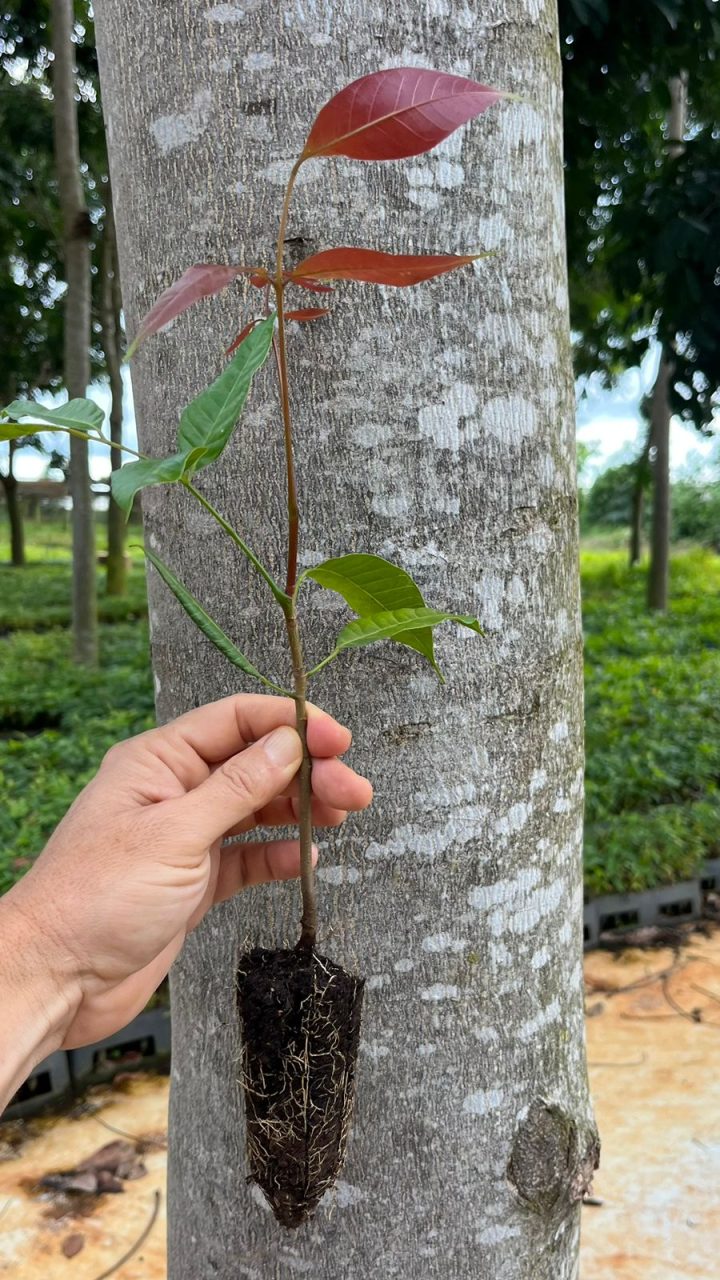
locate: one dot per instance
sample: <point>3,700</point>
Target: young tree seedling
<point>299,1012</point>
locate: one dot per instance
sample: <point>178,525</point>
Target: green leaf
<point>204,622</point>
<point>137,475</point>
<point>74,415</point>
<point>390,624</point>
<point>371,585</point>
<point>207,423</point>
<point>15,430</point>
<point>205,426</point>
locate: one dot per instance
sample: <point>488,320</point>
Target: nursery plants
<point>299,1011</point>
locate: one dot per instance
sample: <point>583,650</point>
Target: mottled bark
<point>435,426</point>
<point>111,306</point>
<point>14,510</point>
<point>76,259</point>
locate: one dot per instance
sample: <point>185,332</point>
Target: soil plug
<point>300,1025</point>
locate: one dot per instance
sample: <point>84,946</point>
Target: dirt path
<point>659,1115</point>
<point>656,1084</point>
<point>32,1236</point>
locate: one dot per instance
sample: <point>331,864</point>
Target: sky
<point>607,420</point>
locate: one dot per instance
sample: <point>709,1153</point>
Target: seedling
<point>299,1012</point>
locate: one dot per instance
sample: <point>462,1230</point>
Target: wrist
<point>39,991</point>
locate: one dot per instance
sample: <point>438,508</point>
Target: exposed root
<point>300,1023</point>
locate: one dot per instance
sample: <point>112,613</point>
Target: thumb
<point>241,785</point>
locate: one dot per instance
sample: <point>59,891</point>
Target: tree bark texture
<point>111,306</point>
<point>434,426</point>
<point>14,510</point>
<point>77,302</point>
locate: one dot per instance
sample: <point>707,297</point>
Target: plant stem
<point>283,220</point>
<point>322,664</point>
<point>292,501</point>
<point>115,444</point>
<point>308,924</point>
<point>277,591</point>
<point>308,927</point>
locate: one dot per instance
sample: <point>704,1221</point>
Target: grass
<point>652,692</point>
<point>58,719</point>
<point>652,709</point>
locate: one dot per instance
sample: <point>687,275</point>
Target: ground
<point>656,1087</point>
<point>653,1024</point>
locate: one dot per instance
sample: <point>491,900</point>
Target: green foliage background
<point>652,692</point>
<point>652,711</point>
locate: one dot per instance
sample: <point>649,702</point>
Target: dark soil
<point>300,1024</point>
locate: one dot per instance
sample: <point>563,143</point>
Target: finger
<point>284,813</point>
<point>221,729</point>
<point>336,784</point>
<point>337,790</point>
<point>258,863</point>
<point>236,790</point>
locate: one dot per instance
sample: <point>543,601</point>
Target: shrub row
<point>652,716</point>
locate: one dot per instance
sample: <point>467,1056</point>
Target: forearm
<point>38,995</point>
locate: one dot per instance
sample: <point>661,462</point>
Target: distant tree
<point>77,231</point>
<point>643,212</point>
<point>31,266</point>
<point>696,511</point>
<point>31,347</point>
<point>112,343</point>
<point>609,499</point>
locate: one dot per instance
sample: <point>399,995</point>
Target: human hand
<point>137,861</point>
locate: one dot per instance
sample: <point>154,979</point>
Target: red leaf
<point>308,284</point>
<point>307,313</point>
<point>197,282</point>
<point>380,268</point>
<point>241,336</point>
<point>392,114</point>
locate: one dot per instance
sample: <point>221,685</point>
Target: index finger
<point>221,729</point>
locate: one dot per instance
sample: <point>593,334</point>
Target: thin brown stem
<point>292,500</point>
<point>308,930</point>
<point>283,220</point>
<point>308,924</point>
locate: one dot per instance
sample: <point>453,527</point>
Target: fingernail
<point>282,746</point>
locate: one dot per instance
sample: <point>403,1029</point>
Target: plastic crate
<point>145,1041</point>
<point>48,1084</point>
<point>668,905</point>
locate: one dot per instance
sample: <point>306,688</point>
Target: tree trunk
<point>116,578</point>
<point>659,572</point>
<point>637,512</point>
<point>14,511</point>
<point>436,427</point>
<point>76,254</point>
<point>636,522</point>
